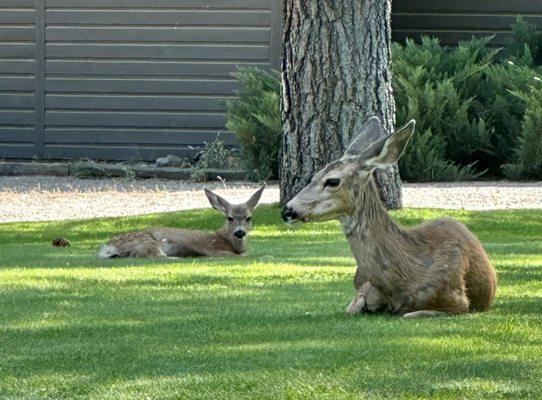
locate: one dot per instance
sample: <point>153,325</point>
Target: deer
<point>229,240</point>
<point>438,268</point>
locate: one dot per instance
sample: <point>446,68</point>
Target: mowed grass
<point>270,325</point>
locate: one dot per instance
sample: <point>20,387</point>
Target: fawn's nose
<point>239,234</point>
<point>288,214</point>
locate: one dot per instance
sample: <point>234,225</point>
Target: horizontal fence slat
<point>110,153</point>
<point>17,101</point>
<point>135,119</point>
<point>18,3</point>
<point>17,67</point>
<point>143,68</point>
<point>141,86</point>
<point>140,136</point>
<point>137,102</point>
<point>156,51</point>
<point>457,22</point>
<point>132,4</point>
<point>166,17</point>
<point>9,83</point>
<point>19,117</point>
<point>17,150</point>
<point>469,6</point>
<point>17,16</point>
<point>17,50</point>
<point>162,34</point>
<point>16,134</point>
<point>17,33</point>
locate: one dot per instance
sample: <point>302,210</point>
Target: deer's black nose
<point>239,234</point>
<point>288,214</point>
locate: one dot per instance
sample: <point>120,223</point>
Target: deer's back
<point>179,235</point>
<point>176,242</point>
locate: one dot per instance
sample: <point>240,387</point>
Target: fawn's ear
<point>393,147</point>
<point>255,198</point>
<point>218,202</point>
<point>370,132</point>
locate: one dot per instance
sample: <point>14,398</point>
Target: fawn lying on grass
<point>229,240</point>
<point>439,268</point>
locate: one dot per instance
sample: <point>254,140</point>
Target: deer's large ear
<point>369,133</point>
<point>217,202</point>
<point>393,147</point>
<point>255,198</point>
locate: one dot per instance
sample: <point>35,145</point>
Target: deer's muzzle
<point>288,214</point>
<point>239,234</point>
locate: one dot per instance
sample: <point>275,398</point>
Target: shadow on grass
<point>258,316</point>
<point>131,330</point>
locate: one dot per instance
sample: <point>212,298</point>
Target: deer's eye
<point>248,219</point>
<point>230,219</point>
<point>332,182</point>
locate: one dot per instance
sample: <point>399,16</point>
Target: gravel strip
<point>42,198</point>
<point>501,195</point>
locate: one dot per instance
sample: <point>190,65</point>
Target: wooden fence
<point>137,79</point>
<point>455,20</point>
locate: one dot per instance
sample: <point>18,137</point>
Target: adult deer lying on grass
<point>438,268</point>
<point>230,240</point>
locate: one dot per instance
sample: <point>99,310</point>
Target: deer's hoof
<point>356,306</point>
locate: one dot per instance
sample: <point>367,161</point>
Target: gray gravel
<point>40,198</point>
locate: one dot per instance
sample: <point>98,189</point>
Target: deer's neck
<point>368,219</point>
<point>236,245</point>
<point>372,234</point>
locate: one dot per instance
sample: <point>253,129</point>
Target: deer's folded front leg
<point>368,299</point>
<point>357,305</point>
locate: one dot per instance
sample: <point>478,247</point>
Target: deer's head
<point>330,193</point>
<point>238,216</point>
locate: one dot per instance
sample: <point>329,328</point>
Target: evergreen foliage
<point>215,155</point>
<point>525,46</point>
<point>478,110</point>
<point>432,85</point>
<point>255,119</point>
<point>527,162</point>
<point>468,106</point>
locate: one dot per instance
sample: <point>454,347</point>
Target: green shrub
<point>525,45</point>
<point>424,161</point>
<point>255,119</point>
<point>528,151</point>
<point>476,109</point>
<point>432,85</point>
<point>501,109</point>
<point>214,155</point>
<point>464,99</point>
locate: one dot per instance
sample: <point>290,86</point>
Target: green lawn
<point>270,325</point>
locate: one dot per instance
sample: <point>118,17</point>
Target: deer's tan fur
<point>229,240</point>
<point>438,268</point>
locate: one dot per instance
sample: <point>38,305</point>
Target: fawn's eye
<point>332,182</point>
<point>248,219</point>
<point>230,219</point>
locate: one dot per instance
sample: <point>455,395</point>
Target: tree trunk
<point>336,75</point>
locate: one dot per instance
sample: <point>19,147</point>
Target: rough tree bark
<point>336,75</point>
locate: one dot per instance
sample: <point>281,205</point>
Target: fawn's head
<point>239,216</point>
<point>331,192</point>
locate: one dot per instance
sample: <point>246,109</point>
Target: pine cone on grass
<point>61,242</point>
